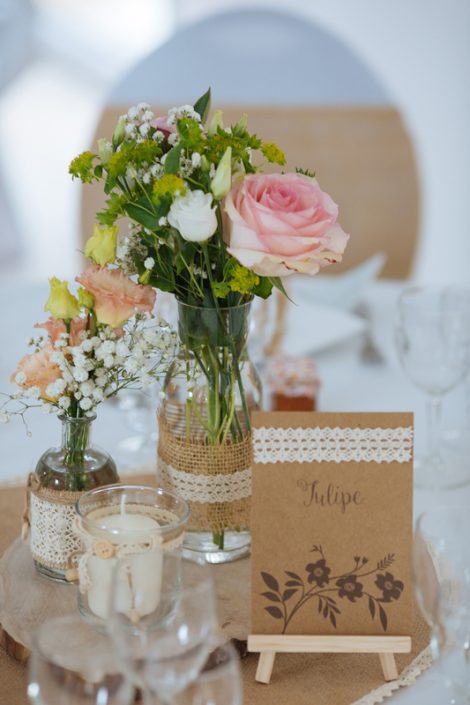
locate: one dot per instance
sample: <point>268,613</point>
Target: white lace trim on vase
<point>208,489</point>
<point>52,538</point>
<point>407,677</point>
<point>332,445</point>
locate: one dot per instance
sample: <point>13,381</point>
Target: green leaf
<point>264,290</point>
<point>221,289</point>
<point>277,282</point>
<point>161,283</point>
<point>172,161</point>
<point>141,215</point>
<point>305,172</point>
<point>203,105</point>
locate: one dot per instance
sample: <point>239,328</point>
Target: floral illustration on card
<point>329,589</point>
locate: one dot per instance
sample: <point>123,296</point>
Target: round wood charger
<point>28,599</point>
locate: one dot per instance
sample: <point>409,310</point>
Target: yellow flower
<point>273,153</point>
<point>222,181</point>
<point>168,185</point>
<point>240,278</point>
<point>61,303</point>
<point>101,246</point>
<point>85,299</point>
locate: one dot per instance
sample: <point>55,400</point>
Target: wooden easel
<point>268,645</point>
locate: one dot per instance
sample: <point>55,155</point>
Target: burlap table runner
<point>303,679</point>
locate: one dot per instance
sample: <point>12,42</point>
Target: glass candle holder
<point>117,521</point>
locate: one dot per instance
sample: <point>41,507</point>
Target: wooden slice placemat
<point>306,679</point>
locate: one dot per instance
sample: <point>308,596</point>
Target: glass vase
<point>204,452</point>
<point>62,474</point>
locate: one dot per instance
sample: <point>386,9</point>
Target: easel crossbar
<point>259,643</point>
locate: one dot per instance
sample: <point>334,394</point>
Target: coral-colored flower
<point>283,223</point>
<point>56,327</point>
<point>38,370</point>
<point>117,297</point>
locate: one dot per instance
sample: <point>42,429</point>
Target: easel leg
<point>265,666</point>
<point>389,667</point>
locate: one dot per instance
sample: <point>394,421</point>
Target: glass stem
<point>433,413</point>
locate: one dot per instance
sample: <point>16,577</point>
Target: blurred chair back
<point>305,90</point>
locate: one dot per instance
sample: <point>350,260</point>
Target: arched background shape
<point>304,89</point>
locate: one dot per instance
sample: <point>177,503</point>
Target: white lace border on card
<point>208,489</point>
<point>332,445</point>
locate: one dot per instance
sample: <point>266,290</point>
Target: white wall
<point>420,49</point>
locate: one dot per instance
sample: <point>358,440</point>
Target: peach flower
<point>38,370</point>
<point>55,327</point>
<point>117,297</point>
<point>280,224</point>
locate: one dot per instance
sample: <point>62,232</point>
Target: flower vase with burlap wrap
<point>204,451</point>
<point>62,475</point>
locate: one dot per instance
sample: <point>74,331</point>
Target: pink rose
<point>55,326</point>
<point>39,371</point>
<point>161,123</point>
<point>117,298</point>
<point>283,223</point>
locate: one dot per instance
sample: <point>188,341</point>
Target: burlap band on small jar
<point>214,479</point>
<point>50,514</point>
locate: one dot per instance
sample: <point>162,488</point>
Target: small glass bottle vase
<point>204,452</point>
<point>62,475</point>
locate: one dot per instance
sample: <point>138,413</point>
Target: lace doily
<point>53,540</point>
<point>208,489</point>
<point>333,445</point>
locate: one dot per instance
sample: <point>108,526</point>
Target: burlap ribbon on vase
<point>214,479</point>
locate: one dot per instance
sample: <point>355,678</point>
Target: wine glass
<point>163,647</point>
<point>219,681</point>
<point>441,576</point>
<point>432,335</point>
<point>71,664</point>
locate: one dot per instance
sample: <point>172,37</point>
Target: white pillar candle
<point>138,590</point>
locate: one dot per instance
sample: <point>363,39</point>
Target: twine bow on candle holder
<point>106,550</point>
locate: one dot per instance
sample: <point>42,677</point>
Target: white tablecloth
<point>347,385</point>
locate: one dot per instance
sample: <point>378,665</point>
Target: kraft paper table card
<point>332,524</point>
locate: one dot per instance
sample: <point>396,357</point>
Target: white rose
<point>194,216</point>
